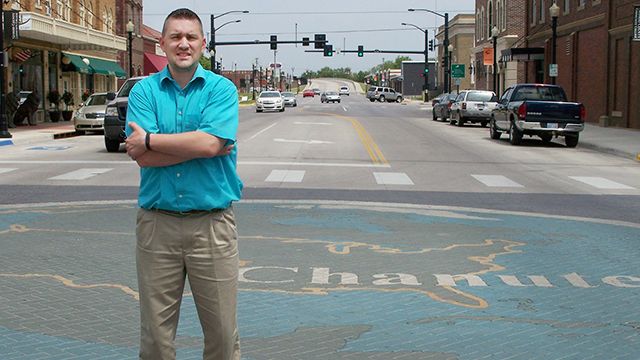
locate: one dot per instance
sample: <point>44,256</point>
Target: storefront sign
<point>487,56</point>
<point>11,25</point>
<point>636,23</point>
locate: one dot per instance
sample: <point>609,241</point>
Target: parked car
<point>289,99</point>
<point>537,110</point>
<point>308,92</point>
<point>115,117</point>
<point>90,115</point>
<point>344,90</point>
<point>330,96</point>
<point>316,91</point>
<point>437,99</point>
<point>441,110</point>
<point>270,100</point>
<point>473,106</point>
<point>383,94</point>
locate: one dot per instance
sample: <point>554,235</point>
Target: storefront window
<point>27,75</point>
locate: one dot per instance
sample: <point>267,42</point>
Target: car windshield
<point>97,100</point>
<point>287,94</point>
<point>540,93</point>
<point>479,96</point>
<point>373,88</point>
<point>126,88</point>
<point>331,93</point>
<point>269,94</point>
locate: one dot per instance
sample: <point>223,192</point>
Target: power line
<point>316,32</point>
<point>324,12</point>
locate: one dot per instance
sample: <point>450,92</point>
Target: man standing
<point>182,123</point>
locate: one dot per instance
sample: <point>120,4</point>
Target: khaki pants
<point>204,247</point>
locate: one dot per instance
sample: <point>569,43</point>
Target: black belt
<point>186,213</point>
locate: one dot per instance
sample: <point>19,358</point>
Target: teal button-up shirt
<point>209,103</point>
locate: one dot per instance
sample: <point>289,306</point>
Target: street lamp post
<point>494,35</point>
<point>212,41</point>
<point>447,62</point>
<point>445,44</point>
<point>4,122</point>
<point>554,11</point>
<point>130,28</point>
<point>425,71</point>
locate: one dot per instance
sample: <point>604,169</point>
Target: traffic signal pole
<point>425,71</point>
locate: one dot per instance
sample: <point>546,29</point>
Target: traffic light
<point>431,45</point>
<point>305,41</point>
<point>426,70</point>
<point>328,50</point>
<point>360,51</point>
<point>274,42</point>
<point>320,41</point>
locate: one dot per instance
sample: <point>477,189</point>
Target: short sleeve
<point>140,109</point>
<point>220,114</point>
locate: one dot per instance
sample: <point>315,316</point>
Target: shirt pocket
<point>192,121</point>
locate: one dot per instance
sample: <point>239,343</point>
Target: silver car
<point>330,96</point>
<point>90,116</point>
<point>473,106</point>
<point>270,100</point>
<point>289,99</point>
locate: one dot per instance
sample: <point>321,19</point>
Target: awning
<point>95,66</point>
<point>154,63</point>
<point>522,54</point>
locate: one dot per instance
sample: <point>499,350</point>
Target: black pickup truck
<point>537,110</point>
<point>116,115</point>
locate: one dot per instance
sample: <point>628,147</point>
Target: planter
<point>54,116</point>
<point>67,115</point>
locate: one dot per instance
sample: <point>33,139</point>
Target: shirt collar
<point>165,74</point>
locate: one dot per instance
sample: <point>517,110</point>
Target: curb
<point>611,151</point>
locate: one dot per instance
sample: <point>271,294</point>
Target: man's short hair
<point>183,13</point>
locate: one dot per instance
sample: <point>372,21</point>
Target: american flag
<point>21,55</point>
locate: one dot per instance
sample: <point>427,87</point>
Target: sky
<point>374,24</point>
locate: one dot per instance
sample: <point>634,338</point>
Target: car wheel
<point>515,136</point>
<point>571,140</point>
<point>546,137</point>
<point>382,99</point>
<point>258,111</point>
<point>399,99</point>
<point>484,124</point>
<point>372,100</point>
<point>433,116</point>
<point>338,101</point>
<point>493,131</point>
<point>111,145</point>
<point>460,120</point>
<point>282,110</point>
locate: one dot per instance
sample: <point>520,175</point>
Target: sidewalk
<point>616,141</point>
<point>26,135</point>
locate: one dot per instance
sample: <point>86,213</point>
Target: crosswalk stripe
<point>392,178</point>
<point>81,174</point>
<point>285,176</point>
<point>496,181</point>
<point>601,183</point>
<point>6,170</point>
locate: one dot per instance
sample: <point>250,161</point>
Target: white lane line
<point>309,142</point>
<point>496,181</point>
<point>285,163</point>
<point>80,174</point>
<point>263,130</point>
<point>285,176</point>
<point>392,178</point>
<point>601,183</point>
<point>310,123</point>
<point>6,170</point>
<point>344,108</point>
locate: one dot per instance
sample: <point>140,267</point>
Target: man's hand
<point>226,150</point>
<point>135,142</point>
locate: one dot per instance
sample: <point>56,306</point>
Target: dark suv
<point>116,115</point>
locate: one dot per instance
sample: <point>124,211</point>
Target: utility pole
<point>4,124</point>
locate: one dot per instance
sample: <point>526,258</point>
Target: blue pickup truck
<point>537,110</point>
<point>116,115</point>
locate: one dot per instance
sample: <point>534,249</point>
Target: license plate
<point>552,125</point>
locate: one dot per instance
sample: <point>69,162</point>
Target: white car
<point>289,99</point>
<point>474,106</point>
<point>90,116</point>
<point>270,100</point>
<point>344,90</point>
<point>330,96</point>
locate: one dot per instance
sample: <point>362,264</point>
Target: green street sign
<point>457,70</point>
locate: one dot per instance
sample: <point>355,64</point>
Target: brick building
<point>66,45</point>
<point>461,35</point>
<point>130,10</point>
<point>154,58</point>
<point>594,52</point>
